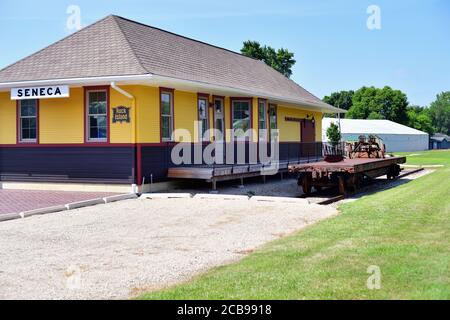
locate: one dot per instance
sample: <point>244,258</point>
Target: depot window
<point>262,116</point>
<point>241,118</point>
<point>166,115</point>
<point>203,117</point>
<point>28,120</point>
<point>97,116</point>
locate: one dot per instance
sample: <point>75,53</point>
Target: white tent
<point>396,137</point>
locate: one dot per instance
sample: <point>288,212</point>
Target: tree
<point>333,134</point>
<point>419,118</point>
<point>341,99</point>
<point>376,103</point>
<point>440,112</point>
<point>281,60</point>
<point>253,49</point>
<point>374,116</point>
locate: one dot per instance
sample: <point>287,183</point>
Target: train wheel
<point>393,172</point>
<point>341,185</point>
<point>306,184</point>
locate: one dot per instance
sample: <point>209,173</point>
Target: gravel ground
<point>121,249</point>
<point>274,186</point>
<point>288,187</point>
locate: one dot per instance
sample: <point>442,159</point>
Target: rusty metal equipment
<point>349,173</point>
<point>367,147</point>
<point>366,159</point>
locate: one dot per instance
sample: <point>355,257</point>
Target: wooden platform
<point>227,172</point>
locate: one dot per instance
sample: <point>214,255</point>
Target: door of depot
<point>308,138</point>
<point>307,131</point>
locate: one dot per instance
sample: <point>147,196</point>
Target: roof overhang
<point>76,82</point>
<point>180,84</point>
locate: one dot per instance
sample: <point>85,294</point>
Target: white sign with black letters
<point>40,92</point>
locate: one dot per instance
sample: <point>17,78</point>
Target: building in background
<point>396,137</point>
<point>439,141</point>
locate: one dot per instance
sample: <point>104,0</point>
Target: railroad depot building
<point>101,106</point>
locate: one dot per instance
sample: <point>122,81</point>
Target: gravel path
<point>119,250</point>
<point>288,187</point>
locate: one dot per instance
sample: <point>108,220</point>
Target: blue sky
<point>333,47</point>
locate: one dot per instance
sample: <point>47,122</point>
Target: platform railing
<point>249,153</point>
<point>334,149</point>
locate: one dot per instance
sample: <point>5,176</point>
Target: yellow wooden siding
<point>7,119</point>
<point>318,116</point>
<point>147,104</point>
<point>62,120</point>
<point>121,132</point>
<point>290,130</point>
<point>185,111</point>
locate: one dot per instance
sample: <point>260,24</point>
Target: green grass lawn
<point>404,231</point>
<point>427,157</point>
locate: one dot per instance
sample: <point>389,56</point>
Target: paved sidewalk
<point>15,201</point>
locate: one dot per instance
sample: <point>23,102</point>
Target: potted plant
<point>334,152</point>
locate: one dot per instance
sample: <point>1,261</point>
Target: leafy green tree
<point>341,99</point>
<point>253,49</point>
<point>419,118</point>
<point>333,134</point>
<point>376,103</point>
<point>440,112</point>
<point>281,60</point>
<point>374,116</point>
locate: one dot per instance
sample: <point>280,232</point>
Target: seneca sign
<point>40,92</point>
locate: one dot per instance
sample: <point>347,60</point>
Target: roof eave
<point>74,81</point>
<point>322,106</point>
<point>158,79</point>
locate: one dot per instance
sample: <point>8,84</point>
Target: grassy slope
<point>403,230</point>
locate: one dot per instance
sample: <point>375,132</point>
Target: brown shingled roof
<point>115,46</point>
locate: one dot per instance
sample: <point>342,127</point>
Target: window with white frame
<point>241,118</point>
<point>219,117</point>
<point>203,117</point>
<point>28,118</point>
<point>273,122</point>
<point>166,115</point>
<point>97,116</point>
<point>262,115</point>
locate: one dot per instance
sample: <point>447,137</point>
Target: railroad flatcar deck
<point>348,165</point>
<point>345,173</point>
